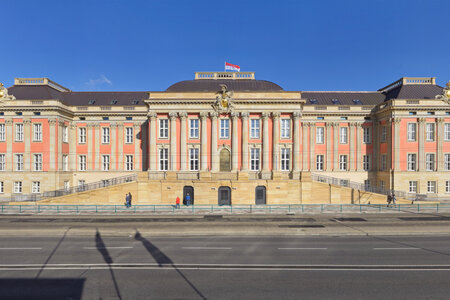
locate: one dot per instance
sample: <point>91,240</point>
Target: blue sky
<point>149,45</point>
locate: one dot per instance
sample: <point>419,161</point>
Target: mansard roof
<point>213,85</point>
<point>344,98</point>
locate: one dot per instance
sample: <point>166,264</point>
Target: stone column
<point>397,144</point>
<point>305,126</point>
<point>244,117</point>
<point>421,134</point>
<point>173,141</point>
<point>9,140</point>
<point>296,151</point>
<point>27,156</point>
<point>97,164</point>
<point>137,145</point>
<point>183,140</point>
<point>328,146</point>
<point>152,141</point>
<point>73,147</point>
<point>52,145</point>
<point>276,138</point>
<point>375,147</point>
<point>214,154</point>
<point>351,136</point>
<point>204,141</point>
<point>120,142</point>
<point>234,142</point>
<point>59,143</point>
<point>389,164</point>
<point>439,143</point>
<point>312,143</point>
<point>113,129</point>
<point>335,146</point>
<point>358,146</point>
<point>265,117</point>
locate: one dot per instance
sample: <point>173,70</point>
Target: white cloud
<point>92,83</point>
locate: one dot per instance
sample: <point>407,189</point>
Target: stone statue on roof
<point>4,93</point>
<point>224,99</point>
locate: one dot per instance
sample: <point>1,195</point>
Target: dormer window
<point>91,102</point>
<point>113,101</point>
<point>313,101</point>
<point>135,102</point>
<point>357,101</point>
<point>335,101</point>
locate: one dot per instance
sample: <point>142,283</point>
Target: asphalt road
<point>131,264</point>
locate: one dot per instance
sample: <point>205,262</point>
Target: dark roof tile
<point>211,85</point>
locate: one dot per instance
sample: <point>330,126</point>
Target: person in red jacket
<point>178,202</point>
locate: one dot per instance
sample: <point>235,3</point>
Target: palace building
<point>224,137</point>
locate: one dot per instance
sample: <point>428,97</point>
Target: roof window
<point>357,101</point>
<point>135,102</point>
<point>313,101</point>
<point>113,101</point>
<point>335,101</point>
<point>91,102</point>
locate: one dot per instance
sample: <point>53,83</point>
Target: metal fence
<point>75,189</point>
<point>216,209</point>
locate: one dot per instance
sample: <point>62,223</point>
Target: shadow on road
<point>163,260</point>
<point>52,253</point>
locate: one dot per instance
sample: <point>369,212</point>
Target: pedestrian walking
<point>394,200</point>
<point>389,199</point>
<point>177,202</point>
<point>127,200</point>
<point>188,199</point>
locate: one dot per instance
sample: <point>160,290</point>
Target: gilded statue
<point>224,99</point>
<point>445,96</point>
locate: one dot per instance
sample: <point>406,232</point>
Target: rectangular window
<point>17,187</point>
<point>2,132</point>
<point>37,162</point>
<point>254,128</point>
<point>343,135</point>
<point>366,162</point>
<point>19,162</point>
<point>430,132</point>
<point>2,162</point>
<point>129,162</point>
<point>447,162</point>
<point>412,132</point>
<point>254,159</point>
<point>430,161</point>
<point>431,187</point>
<point>383,162</point>
<point>19,132</point>
<point>193,159</point>
<point>129,135</point>
<point>82,163</point>
<point>383,133</point>
<point>37,132</point>
<point>285,128</point>
<point>367,136</point>
<point>447,131</point>
<point>320,135</point>
<point>82,135</point>
<point>2,187</point>
<point>36,187</point>
<point>411,162</point>
<point>164,159</point>
<point>66,186</point>
<point>164,128</point>
<point>367,184</point>
<point>65,162</point>
<point>343,162</point>
<point>413,186</point>
<point>193,128</point>
<point>105,135</point>
<point>382,185</point>
<point>224,128</point>
<point>319,162</point>
<point>105,162</point>
<point>447,186</point>
<point>65,134</point>
<point>285,159</point>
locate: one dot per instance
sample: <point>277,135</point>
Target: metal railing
<point>75,189</point>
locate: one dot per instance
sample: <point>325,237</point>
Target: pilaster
<point>276,137</point>
<point>265,117</point>
<point>329,127</point>
<point>296,139</point>
<point>27,156</point>
<point>305,126</point>
<point>245,116</point>
<point>439,144</point>
<point>204,141</point>
<point>183,141</point>
<point>173,140</point>
<point>52,146</point>
<point>137,145</point>
<point>152,141</point>
<point>421,139</point>
<point>214,154</point>
<point>9,141</point>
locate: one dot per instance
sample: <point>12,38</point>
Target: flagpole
<point>225,66</point>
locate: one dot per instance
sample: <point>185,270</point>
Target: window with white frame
<point>163,159</point>
<point>254,159</point>
<point>343,162</point>
<point>413,186</point>
<point>2,162</point>
<point>105,135</point>
<point>285,159</point>
<point>285,128</point>
<point>17,187</point>
<point>2,187</point>
<point>412,132</point>
<point>431,187</point>
<point>224,128</point>
<point>447,162</point>
<point>319,162</point>
<point>343,136</point>
<point>81,182</point>
<point>382,185</point>
<point>447,131</point>
<point>383,162</point>
<point>82,135</point>
<point>367,139</point>
<point>65,134</point>
<point>193,128</point>
<point>2,132</point>
<point>19,132</point>
<point>430,132</point>
<point>447,186</point>
<point>193,159</point>
<point>105,162</point>
<point>65,159</point>
<point>255,128</point>
<point>37,132</point>
<point>37,162</point>
<point>383,133</point>
<point>129,135</point>
<point>82,163</point>
<point>366,162</point>
<point>367,184</point>
<point>320,135</point>
<point>129,162</point>
<point>411,162</point>
<point>66,186</point>
<point>36,187</point>
<point>19,162</point>
<point>163,128</point>
<point>430,161</point>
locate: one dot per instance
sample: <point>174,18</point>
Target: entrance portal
<point>260,195</point>
<point>188,189</point>
<point>225,165</point>
<point>224,195</point>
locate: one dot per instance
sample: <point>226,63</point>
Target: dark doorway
<point>225,161</point>
<point>224,195</point>
<point>260,195</point>
<point>188,189</point>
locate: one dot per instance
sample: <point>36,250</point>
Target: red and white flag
<point>232,67</point>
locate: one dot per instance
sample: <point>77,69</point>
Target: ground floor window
<point>431,187</point>
<point>447,186</point>
<point>18,187</point>
<point>382,185</point>
<point>413,186</point>
<point>35,187</point>
<point>367,184</point>
<point>2,187</point>
<point>66,185</point>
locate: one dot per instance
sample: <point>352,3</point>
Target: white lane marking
<point>404,248</point>
<point>95,248</point>
<point>21,248</point>
<point>302,248</point>
<point>207,248</point>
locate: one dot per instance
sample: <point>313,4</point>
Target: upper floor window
<point>343,162</point>
<point>19,132</point>
<point>129,162</point>
<point>82,163</point>
<point>366,162</point>
<point>105,162</point>
<point>193,159</point>
<point>411,162</point>
<point>82,135</point>
<point>65,162</point>
<point>129,135</point>
<point>37,162</point>
<point>193,128</point>
<point>320,135</point>
<point>163,128</point>
<point>163,159</point>
<point>383,133</point>
<point>2,162</point>
<point>65,134</point>
<point>285,128</point>
<point>37,132</point>
<point>254,128</point>
<point>412,132</point>
<point>367,135</point>
<point>343,135</point>
<point>254,159</point>
<point>430,132</point>
<point>285,159</point>
<point>383,162</point>
<point>319,162</point>
<point>447,131</point>
<point>19,162</point>
<point>2,132</point>
<point>105,135</point>
<point>447,162</point>
<point>224,128</point>
<point>430,161</point>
